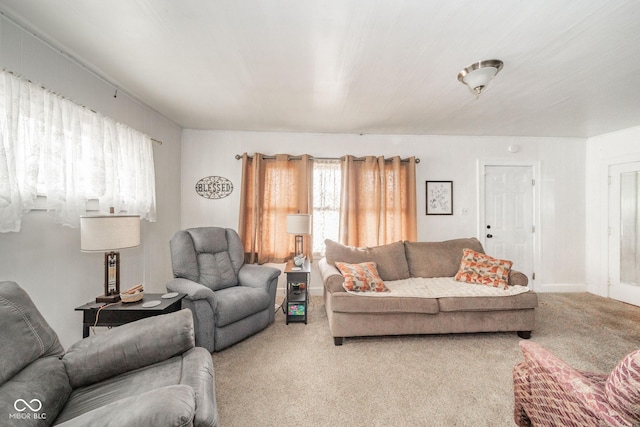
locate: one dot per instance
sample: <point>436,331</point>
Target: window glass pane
<point>629,228</point>
<point>326,202</point>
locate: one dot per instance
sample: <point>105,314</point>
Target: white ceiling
<point>572,68</point>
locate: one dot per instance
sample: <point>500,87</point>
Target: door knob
<point>489,236</point>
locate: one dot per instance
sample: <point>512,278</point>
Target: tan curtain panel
<point>378,201</point>
<point>273,188</point>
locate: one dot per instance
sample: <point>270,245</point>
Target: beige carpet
<point>293,375</point>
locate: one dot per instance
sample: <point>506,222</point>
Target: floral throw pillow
<point>476,267</point>
<point>361,277</point>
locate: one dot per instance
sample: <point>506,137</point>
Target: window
<point>52,147</point>
<point>376,207</point>
<point>326,202</point>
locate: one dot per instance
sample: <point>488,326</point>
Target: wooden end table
<point>119,313</point>
<point>297,293</point>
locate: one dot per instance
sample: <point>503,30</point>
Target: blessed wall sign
<point>214,187</point>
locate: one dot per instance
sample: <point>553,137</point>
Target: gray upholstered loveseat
<point>145,373</point>
<point>352,315</point>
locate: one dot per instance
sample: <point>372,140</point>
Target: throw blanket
<point>440,287</point>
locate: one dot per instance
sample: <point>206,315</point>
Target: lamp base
<point>109,299</point>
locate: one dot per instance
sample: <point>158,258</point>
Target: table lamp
<point>108,233</point>
<point>299,224</point>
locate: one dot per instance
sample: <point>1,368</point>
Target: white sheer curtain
<point>52,147</point>
<point>326,203</point>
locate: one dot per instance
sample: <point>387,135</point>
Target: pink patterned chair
<point>548,392</point>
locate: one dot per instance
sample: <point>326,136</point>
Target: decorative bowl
<point>134,297</point>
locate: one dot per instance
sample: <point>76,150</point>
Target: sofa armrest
<point>518,278</point>
<point>257,276</point>
<point>167,406</point>
<point>129,347</point>
<point>331,276</point>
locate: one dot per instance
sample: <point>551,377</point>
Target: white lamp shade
<point>299,224</point>
<point>109,232</point>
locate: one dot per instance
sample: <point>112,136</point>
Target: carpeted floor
<point>294,375</point>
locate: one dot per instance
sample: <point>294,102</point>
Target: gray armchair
<point>145,373</point>
<point>230,300</point>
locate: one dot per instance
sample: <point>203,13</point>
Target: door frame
<point>613,233</point>
<point>482,165</point>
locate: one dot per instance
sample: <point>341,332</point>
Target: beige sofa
<point>353,315</point>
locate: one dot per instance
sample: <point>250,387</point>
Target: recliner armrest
<point>257,276</point>
<point>195,291</point>
<point>129,347</point>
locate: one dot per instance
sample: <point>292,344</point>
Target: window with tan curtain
<point>273,188</point>
<point>378,201</point>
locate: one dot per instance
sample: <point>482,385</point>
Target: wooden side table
<point>119,313</point>
<point>297,300</point>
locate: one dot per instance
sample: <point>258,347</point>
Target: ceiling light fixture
<point>477,76</point>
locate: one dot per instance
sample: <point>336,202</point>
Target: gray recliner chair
<point>230,300</point>
<point>144,373</point>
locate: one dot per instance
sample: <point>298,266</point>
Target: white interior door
<point>624,232</point>
<point>509,225</point>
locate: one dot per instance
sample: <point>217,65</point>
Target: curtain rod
<point>64,97</point>
<point>357,159</point>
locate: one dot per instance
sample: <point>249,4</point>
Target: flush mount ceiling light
<point>477,76</point>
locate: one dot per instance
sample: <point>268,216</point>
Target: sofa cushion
<point>129,347</point>
<point>438,259</point>
<point>25,328</point>
<point>211,256</point>
<point>390,259</point>
<point>476,267</point>
<point>362,277</point>
<point>131,383</point>
<point>45,380</point>
<point>622,387</point>
<point>238,302</point>
<point>216,270</point>
<point>168,406</point>
<point>521,301</point>
<point>344,302</point>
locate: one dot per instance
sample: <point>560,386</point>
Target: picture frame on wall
<point>439,197</point>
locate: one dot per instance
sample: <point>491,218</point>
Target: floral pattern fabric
<point>623,387</point>
<point>479,268</point>
<point>548,392</point>
<point>361,277</point>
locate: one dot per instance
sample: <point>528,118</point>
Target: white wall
<point>602,151</point>
<point>45,258</point>
<point>206,153</point>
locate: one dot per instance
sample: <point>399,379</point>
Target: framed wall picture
<point>439,197</point>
